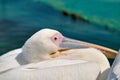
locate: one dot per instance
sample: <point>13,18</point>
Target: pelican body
<point>48,55</point>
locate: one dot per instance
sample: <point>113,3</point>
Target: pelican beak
<point>109,53</point>
<point>75,44</point>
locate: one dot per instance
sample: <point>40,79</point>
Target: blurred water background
<point>102,12</point>
<point>95,21</point>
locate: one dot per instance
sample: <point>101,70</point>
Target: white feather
<point>115,69</point>
<point>63,70</point>
<point>8,60</point>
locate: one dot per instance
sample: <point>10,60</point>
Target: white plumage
<point>34,62</point>
<point>54,70</point>
<point>115,69</point>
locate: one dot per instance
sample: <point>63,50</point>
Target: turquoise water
<point>103,12</point>
<point>19,19</point>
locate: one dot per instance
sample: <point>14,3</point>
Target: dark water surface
<point>23,18</point>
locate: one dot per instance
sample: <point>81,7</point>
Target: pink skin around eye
<point>57,39</point>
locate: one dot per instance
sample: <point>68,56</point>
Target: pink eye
<point>57,39</point>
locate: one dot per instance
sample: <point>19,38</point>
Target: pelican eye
<point>55,38</point>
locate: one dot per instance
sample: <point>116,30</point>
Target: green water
<point>103,12</point>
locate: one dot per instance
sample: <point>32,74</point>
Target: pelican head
<point>41,45</point>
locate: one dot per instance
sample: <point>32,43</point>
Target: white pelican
<point>43,57</point>
<point>115,69</point>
